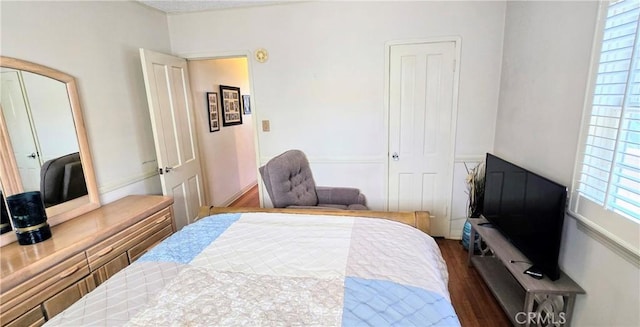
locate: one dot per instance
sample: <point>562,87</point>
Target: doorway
<point>423,83</point>
<point>228,153</point>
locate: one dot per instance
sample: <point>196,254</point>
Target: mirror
<point>43,140</point>
<point>5,225</point>
<point>37,115</point>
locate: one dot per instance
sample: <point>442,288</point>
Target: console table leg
<point>568,308</point>
<point>472,245</point>
<point>528,306</point>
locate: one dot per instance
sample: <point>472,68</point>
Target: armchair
<point>289,182</point>
<point>62,179</point>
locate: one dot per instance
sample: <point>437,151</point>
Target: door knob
<point>32,156</point>
<point>164,170</point>
<point>395,156</point>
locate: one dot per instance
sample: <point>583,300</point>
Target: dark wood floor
<point>472,299</point>
<point>249,199</point>
<point>474,303</point>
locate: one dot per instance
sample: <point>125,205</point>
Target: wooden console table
<point>526,300</point>
<point>39,281</point>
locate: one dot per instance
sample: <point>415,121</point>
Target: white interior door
<point>172,119</point>
<point>19,125</point>
<point>421,133</point>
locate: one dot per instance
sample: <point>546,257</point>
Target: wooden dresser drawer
<point>138,250</point>
<point>69,296</point>
<point>109,269</point>
<point>114,246</point>
<point>27,295</point>
<point>33,318</point>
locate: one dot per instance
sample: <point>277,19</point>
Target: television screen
<point>528,209</point>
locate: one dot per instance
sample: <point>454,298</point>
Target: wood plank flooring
<point>472,300</point>
<point>249,199</point>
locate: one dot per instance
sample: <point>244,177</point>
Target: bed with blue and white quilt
<point>275,269</point>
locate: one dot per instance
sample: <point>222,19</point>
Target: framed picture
<point>214,118</point>
<point>230,97</point>
<point>246,104</point>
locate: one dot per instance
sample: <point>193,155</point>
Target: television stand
<point>526,300</point>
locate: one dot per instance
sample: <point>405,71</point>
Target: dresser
<point>41,280</point>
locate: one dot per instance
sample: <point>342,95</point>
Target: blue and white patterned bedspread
<point>265,269</point>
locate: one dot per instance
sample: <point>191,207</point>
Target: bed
<point>276,267</point>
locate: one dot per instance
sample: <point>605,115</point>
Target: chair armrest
<point>340,195</point>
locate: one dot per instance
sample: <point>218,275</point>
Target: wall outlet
<point>266,126</point>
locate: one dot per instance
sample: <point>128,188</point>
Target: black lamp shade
<point>29,217</point>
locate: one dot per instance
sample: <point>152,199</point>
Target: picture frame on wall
<point>214,113</point>
<point>230,97</point>
<point>246,104</point>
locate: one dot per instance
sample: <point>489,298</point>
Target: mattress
<point>273,269</point>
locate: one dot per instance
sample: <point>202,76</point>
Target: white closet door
<point>421,86</point>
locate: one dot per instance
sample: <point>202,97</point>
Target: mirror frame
<point>9,175</point>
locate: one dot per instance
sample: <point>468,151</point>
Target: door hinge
<point>454,65</point>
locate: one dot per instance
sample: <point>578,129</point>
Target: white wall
<point>460,201</point>
<point>228,155</point>
<point>547,49</point>
<point>323,86</point>
<point>97,43</point>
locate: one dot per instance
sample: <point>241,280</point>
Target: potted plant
<point>475,191</point>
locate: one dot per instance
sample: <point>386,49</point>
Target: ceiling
<point>184,6</point>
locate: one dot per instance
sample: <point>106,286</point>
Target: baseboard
<point>239,194</point>
<point>455,234</point>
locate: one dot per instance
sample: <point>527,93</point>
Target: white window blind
<point>606,192</point>
<point>611,166</point>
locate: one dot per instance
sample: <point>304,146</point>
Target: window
<point>607,182</point>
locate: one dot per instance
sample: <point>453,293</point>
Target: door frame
<point>254,107</point>
<point>457,40</point>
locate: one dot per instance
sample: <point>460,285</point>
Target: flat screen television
<point>527,209</point>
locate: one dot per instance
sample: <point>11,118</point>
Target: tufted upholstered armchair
<point>290,184</point>
<point>62,179</point>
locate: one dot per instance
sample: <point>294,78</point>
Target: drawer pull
<point>68,272</point>
<point>159,221</point>
<point>105,251</point>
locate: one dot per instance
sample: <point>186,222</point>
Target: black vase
<point>29,217</point>
<point>5,225</point>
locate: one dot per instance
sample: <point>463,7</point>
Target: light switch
<point>266,127</point>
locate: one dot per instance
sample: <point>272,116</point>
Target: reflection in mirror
<point>37,115</point>
<point>5,225</point>
<point>44,145</point>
